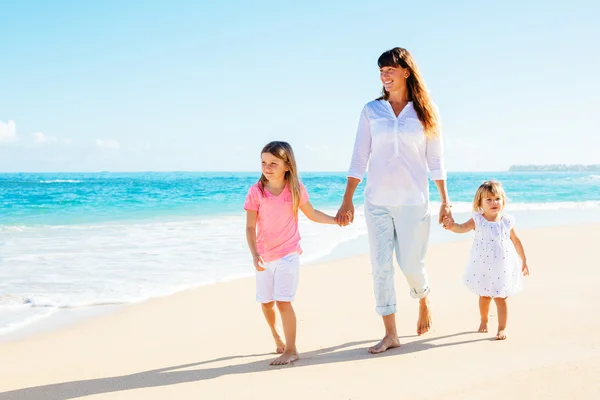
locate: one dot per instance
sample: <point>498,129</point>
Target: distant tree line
<point>556,167</point>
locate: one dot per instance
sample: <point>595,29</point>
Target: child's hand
<point>447,222</point>
<point>258,262</point>
<point>350,218</point>
<point>525,270</point>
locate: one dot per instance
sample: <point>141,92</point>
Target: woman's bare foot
<point>483,327</point>
<point>286,358</point>
<point>501,335</point>
<point>280,345</point>
<point>388,342</point>
<point>424,322</point>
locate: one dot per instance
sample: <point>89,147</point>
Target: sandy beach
<point>213,343</point>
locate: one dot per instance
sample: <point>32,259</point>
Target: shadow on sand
<point>173,375</point>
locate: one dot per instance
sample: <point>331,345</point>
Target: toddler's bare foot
<point>286,358</point>
<point>483,327</point>
<point>424,322</point>
<point>501,334</point>
<point>280,345</point>
<point>388,342</point>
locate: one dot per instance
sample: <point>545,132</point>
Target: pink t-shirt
<point>276,228</point>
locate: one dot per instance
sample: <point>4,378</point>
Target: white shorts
<point>279,280</point>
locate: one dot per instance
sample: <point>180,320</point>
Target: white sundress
<point>494,268</point>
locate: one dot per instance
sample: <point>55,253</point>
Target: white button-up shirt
<point>398,153</point>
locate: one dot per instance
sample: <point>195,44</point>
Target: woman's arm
<point>434,153</point>
<point>345,214</point>
<point>316,215</point>
<point>445,207</point>
<point>358,167</point>
<point>251,217</point>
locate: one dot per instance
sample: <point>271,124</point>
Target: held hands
<point>258,262</point>
<point>448,222</point>
<point>345,214</point>
<point>445,211</point>
<point>445,217</point>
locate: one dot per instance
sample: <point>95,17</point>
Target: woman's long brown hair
<point>417,91</point>
<point>284,152</point>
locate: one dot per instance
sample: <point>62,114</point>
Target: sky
<point>201,86</point>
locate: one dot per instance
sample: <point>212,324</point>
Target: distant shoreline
<point>556,168</point>
<point>512,168</point>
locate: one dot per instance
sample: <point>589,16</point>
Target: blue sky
<point>195,85</point>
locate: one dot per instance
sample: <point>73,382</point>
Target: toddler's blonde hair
<point>485,189</point>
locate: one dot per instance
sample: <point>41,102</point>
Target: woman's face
<point>393,78</point>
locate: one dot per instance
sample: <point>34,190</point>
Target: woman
<point>399,137</point>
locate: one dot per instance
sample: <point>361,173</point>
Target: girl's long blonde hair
<point>284,152</point>
<point>485,189</point>
<point>417,92</point>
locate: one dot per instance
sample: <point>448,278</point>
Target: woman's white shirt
<point>398,154</point>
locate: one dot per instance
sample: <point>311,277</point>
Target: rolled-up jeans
<point>404,229</point>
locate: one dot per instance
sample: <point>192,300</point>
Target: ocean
<point>82,240</point>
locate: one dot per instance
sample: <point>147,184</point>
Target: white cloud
<point>39,138</point>
<point>107,144</point>
<point>8,131</point>
<point>67,141</point>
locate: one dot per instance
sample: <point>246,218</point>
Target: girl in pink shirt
<point>272,232</point>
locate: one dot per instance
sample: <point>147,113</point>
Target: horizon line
<point>215,171</point>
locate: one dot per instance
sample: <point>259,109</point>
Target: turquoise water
<point>34,199</point>
<point>73,240</point>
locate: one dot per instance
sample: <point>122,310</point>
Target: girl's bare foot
<point>286,358</point>
<point>388,342</point>
<point>280,345</point>
<point>501,334</point>
<point>483,327</point>
<point>424,322</point>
